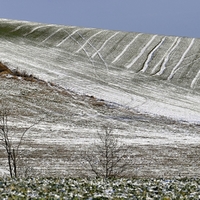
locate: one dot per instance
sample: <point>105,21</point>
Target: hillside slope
<point>142,86</point>
<point>151,73</point>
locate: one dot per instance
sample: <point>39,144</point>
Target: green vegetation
<point>69,188</point>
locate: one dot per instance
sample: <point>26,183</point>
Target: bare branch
<point>22,136</point>
<point>107,158</point>
<point>6,142</point>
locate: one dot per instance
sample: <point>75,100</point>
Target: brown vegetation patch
<point>4,69</point>
<point>96,102</point>
<point>23,75</point>
<point>16,74</point>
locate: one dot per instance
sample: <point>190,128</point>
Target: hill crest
<point>132,69</point>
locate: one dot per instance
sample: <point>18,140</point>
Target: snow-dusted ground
<point>150,84</point>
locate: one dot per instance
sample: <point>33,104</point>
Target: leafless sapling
<point>12,150</point>
<point>108,158</point>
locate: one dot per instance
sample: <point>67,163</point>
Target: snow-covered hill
<point>152,73</point>
<point>145,86</point>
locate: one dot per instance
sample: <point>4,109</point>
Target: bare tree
<point>12,150</point>
<point>108,158</point>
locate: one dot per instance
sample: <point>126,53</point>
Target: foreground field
<point>62,188</point>
<point>69,123</point>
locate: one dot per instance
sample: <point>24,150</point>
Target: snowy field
<point>146,87</point>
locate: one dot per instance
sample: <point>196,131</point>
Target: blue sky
<point>166,17</point>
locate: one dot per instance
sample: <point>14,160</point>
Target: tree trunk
<point>9,163</point>
<point>14,163</point>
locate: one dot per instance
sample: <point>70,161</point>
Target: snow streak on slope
<point>195,80</point>
<point>141,52</point>
<point>146,64</point>
<point>87,41</point>
<point>125,49</point>
<point>166,56</point>
<point>181,60</point>
<point>60,43</point>
<point>151,73</point>
<point>34,29</point>
<point>98,51</point>
<point>51,35</point>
